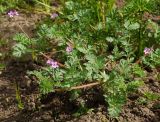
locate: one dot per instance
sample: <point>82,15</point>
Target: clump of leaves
<point>31,47</point>
<point>153,60</point>
<point>5,5</point>
<point>151,96</point>
<point>96,43</point>
<point>148,97</point>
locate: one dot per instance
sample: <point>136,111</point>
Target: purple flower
<point>148,51</point>
<point>13,13</point>
<point>54,15</point>
<point>69,49</point>
<point>49,61</point>
<point>16,13</point>
<point>53,64</point>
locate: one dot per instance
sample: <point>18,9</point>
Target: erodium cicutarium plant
<point>98,43</point>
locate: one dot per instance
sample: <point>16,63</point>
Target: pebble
<point>46,117</point>
<point>156,84</point>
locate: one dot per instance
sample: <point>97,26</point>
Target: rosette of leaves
<point>96,38</point>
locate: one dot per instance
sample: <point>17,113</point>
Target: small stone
<point>120,119</point>
<point>52,121</point>
<point>46,116</point>
<point>156,84</point>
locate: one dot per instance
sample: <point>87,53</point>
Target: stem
<point>18,97</point>
<point>80,65</point>
<point>43,4</point>
<point>140,50</point>
<point>98,13</point>
<point>103,13</point>
<point>79,87</point>
<point>23,31</point>
<point>33,52</point>
<point>140,42</point>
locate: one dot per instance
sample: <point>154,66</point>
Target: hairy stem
<point>79,87</point>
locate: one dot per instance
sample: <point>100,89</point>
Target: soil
<point>57,107</point>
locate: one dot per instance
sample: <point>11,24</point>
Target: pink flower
<point>49,61</point>
<point>69,49</point>
<point>148,51</point>
<point>10,14</point>
<point>54,15</point>
<point>16,13</point>
<point>53,64</point>
<point>13,13</point>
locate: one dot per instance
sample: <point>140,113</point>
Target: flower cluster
<point>148,51</point>
<point>54,15</point>
<point>69,49</point>
<point>12,13</point>
<point>53,64</point>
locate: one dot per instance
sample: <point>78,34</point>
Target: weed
<point>98,44</point>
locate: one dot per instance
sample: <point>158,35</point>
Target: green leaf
<point>22,38</point>
<point>115,101</point>
<point>19,49</point>
<point>152,96</point>
<point>46,83</point>
<point>137,70</point>
<point>105,76</point>
<point>131,26</point>
<point>2,66</point>
<point>132,86</point>
<point>134,26</point>
<point>69,5</point>
<point>110,39</point>
<point>82,49</point>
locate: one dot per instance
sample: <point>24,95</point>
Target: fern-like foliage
<point>105,43</point>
